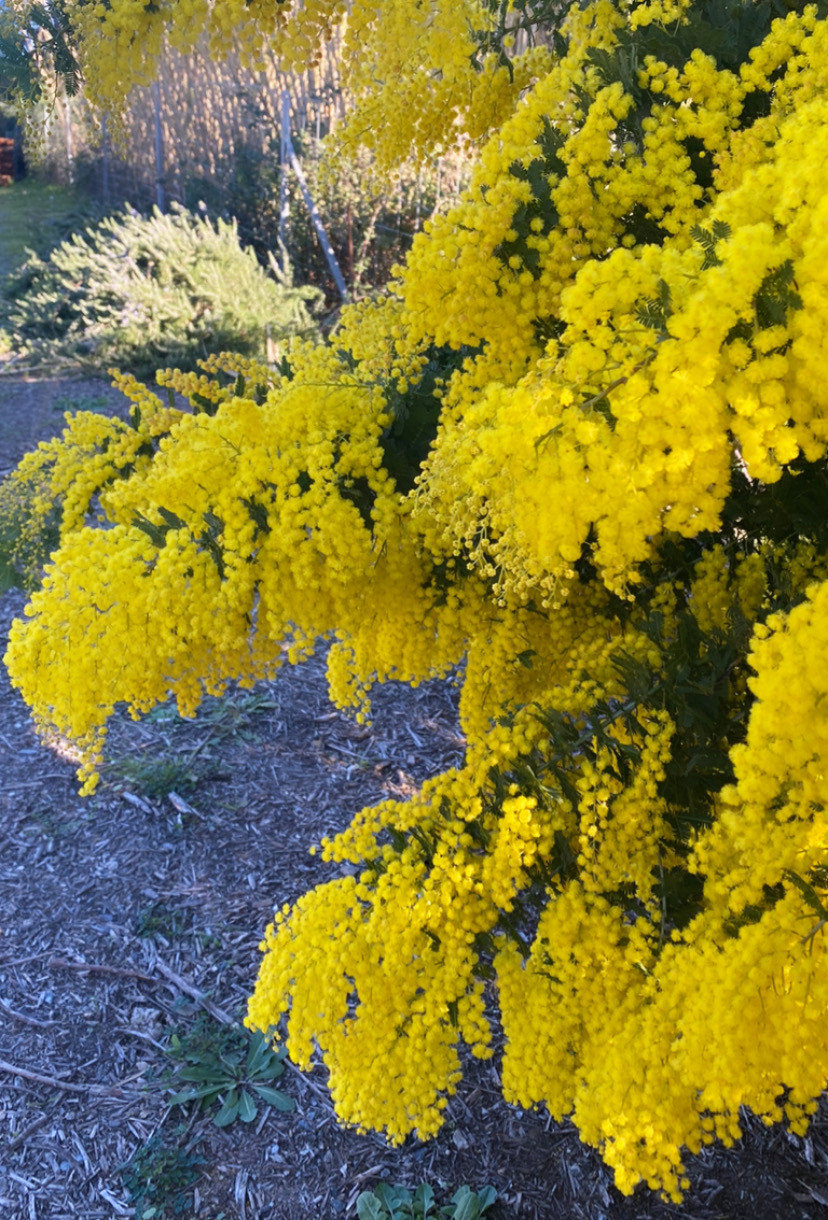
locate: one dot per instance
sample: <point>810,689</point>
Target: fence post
<point>324,240</point>
<point>284,157</point>
<point>105,160</point>
<point>159,146</point>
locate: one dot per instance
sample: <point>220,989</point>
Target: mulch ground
<point>135,915</point>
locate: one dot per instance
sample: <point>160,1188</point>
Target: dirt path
<point>32,409</point>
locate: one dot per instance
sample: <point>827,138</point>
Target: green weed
<point>160,920</point>
<point>154,776</point>
<point>225,1066</point>
<point>72,403</point>
<point>387,1202</point>
<point>159,1175</point>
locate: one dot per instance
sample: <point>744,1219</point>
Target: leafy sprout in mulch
<point>159,772</point>
<point>159,919</point>
<point>155,775</point>
<point>159,1175</point>
<point>387,1202</point>
<point>224,1065</point>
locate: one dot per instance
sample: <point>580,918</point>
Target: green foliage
<point>176,768</point>
<point>155,775</point>
<point>158,919</point>
<point>24,546</point>
<point>539,205</point>
<point>709,240</point>
<point>141,292</point>
<point>415,414</point>
<point>71,212</point>
<point>36,215</point>
<point>386,1202</point>
<point>226,1065</point>
<point>36,48</point>
<point>70,404</point>
<point>226,714</point>
<point>527,17</point>
<point>796,506</point>
<point>159,1175</point>
<point>369,224</point>
<point>15,67</point>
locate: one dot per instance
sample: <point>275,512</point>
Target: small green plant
<point>155,776</point>
<point>159,1175</point>
<point>387,1202</point>
<point>72,403</point>
<point>160,920</point>
<point>166,714</point>
<point>226,1065</point>
<point>232,711</point>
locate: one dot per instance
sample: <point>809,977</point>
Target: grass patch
<point>71,404</point>
<point>34,215</point>
<point>154,775</point>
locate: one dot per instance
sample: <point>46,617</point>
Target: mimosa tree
<point>578,448</point>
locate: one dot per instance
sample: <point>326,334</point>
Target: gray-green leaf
<point>280,1101</point>
<point>247,1108</point>
<point>230,1110</point>
<point>370,1208</point>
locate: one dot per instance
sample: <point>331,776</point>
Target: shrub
<point>580,445</point>
<point>370,223</point>
<point>140,292</point>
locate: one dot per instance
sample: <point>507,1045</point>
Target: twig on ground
<point>16,785</point>
<point>60,963</point>
<point>53,1082</point>
<point>26,1020</point>
<point>318,1089</point>
<point>27,1131</point>
<point>194,993</point>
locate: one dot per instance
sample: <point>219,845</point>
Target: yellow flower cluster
<point>611,352</point>
<point>720,588</point>
<point>421,76</point>
<point>61,481</point>
<point>623,428</point>
<point>120,40</point>
<point>390,987</point>
<point>773,818</point>
<point>443,87</point>
<point>277,519</point>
